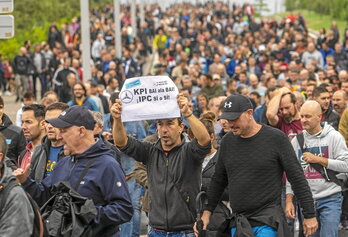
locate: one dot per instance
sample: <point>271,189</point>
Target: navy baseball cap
<point>74,116</point>
<point>234,106</point>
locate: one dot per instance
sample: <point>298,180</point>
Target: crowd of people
<point>238,76</point>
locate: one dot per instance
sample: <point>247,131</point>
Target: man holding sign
<point>173,165</point>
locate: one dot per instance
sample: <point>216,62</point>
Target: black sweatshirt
<point>253,168</point>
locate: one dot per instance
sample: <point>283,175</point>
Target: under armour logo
<point>229,104</point>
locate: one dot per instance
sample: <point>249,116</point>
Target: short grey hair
<point>98,117</point>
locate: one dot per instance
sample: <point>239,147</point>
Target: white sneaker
<point>8,93</point>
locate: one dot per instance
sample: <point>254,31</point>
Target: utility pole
<point>142,12</point>
<point>134,17</point>
<point>118,47</point>
<point>85,37</point>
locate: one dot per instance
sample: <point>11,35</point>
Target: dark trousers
<point>3,82</point>
<point>43,82</point>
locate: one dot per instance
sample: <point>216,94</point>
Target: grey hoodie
<point>17,216</point>
<point>328,143</point>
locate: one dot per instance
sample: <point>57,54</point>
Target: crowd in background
<point>209,51</point>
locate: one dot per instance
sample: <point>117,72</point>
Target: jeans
<point>155,233</point>
<point>259,231</point>
<point>132,228</point>
<point>328,215</point>
<point>344,215</point>
<point>44,83</point>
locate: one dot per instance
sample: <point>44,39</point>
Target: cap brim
<point>58,123</point>
<point>230,115</point>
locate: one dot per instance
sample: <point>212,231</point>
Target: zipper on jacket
<point>166,160</point>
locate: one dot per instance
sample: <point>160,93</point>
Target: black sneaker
<point>344,224</point>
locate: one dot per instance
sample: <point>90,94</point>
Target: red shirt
<point>290,129</point>
<point>27,156</point>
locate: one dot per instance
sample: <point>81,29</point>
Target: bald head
<point>311,116</point>
<point>311,106</point>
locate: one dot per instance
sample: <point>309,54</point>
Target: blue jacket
<point>104,183</point>
<point>88,103</point>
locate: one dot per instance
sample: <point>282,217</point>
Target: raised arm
<point>198,129</point>
<point>273,106</point>
<point>118,131</point>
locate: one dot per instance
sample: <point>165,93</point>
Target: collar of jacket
<point>158,144</point>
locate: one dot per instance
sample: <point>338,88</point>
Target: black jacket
<point>221,212</point>
<point>174,180</point>
<point>21,65</point>
<point>14,138</point>
<point>39,160</point>
<point>332,118</point>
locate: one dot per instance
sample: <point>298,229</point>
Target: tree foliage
<point>337,8</point>
<point>32,19</point>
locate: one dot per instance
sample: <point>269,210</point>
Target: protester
<point>21,65</point>
<point>255,186</point>
<point>321,95</point>
<point>288,120</point>
<point>222,211</point>
<point>169,212</point>
<point>33,126</point>
<point>339,102</point>
<point>28,99</point>
<point>104,181</point>
<point>81,98</point>
<point>14,135</point>
<point>50,151</point>
<point>324,146</point>
<point>17,216</point>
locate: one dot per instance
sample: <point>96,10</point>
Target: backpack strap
<point>84,172</point>
<point>300,140</point>
<point>38,225</point>
<point>329,175</point>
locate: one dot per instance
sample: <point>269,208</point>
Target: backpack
<point>38,225</point>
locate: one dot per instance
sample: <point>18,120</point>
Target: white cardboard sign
<point>149,98</point>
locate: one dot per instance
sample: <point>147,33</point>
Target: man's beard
<point>289,118</point>
<point>338,109</point>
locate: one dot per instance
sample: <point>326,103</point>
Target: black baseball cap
<point>234,106</point>
<point>74,116</point>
